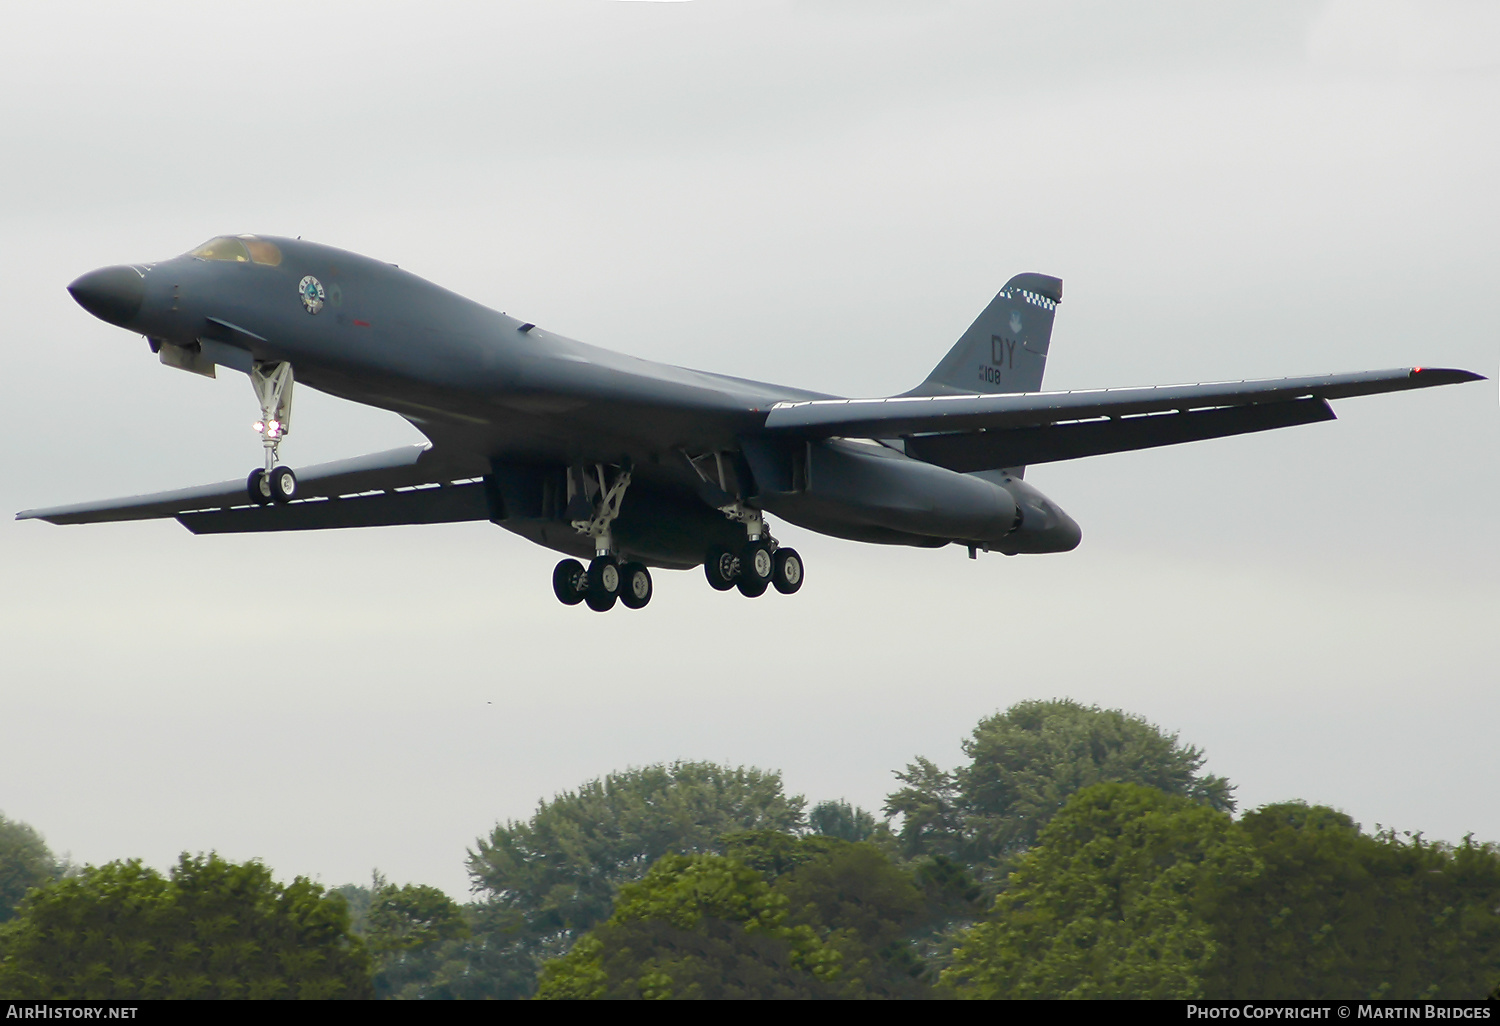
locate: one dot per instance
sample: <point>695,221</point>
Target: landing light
<point>257,427</point>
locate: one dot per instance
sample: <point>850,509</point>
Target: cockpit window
<point>223,248</point>
<point>242,250</point>
<point>261,251</point>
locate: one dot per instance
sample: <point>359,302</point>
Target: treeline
<point>1078,852</point>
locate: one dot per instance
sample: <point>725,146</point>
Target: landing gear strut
<point>594,497</point>
<point>273,388</point>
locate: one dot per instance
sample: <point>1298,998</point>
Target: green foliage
<point>407,930</point>
<point>553,877</point>
<point>1341,914</point>
<point>561,868</point>
<point>697,926</point>
<point>867,909</point>
<point>772,852</point>
<point>1118,870</point>
<point>489,960</point>
<point>842,820</point>
<point>1024,765</point>
<point>25,863</point>
<point>213,929</point>
<point>821,917</point>
<point>358,897</point>
<point>1133,893</point>
<point>412,917</point>
<point>1108,904</point>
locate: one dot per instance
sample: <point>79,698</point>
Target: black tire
<point>567,582</point>
<point>635,586</point>
<point>788,574</point>
<point>604,583</point>
<point>721,567</point>
<point>757,561</point>
<point>283,484</point>
<point>751,586</point>
<point>257,487</point>
<point>757,566</point>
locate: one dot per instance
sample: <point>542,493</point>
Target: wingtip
<point>1444,375</point>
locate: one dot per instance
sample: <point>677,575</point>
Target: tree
<point>1024,765</point>
<point>781,917</point>
<point>1134,893</point>
<point>548,880</point>
<point>25,862</point>
<point>1109,904</point>
<point>407,929</point>
<point>358,897</point>
<point>842,820</point>
<point>867,909</point>
<point>212,929</point>
<point>813,917</point>
<point>696,926</point>
<point>1338,913</point>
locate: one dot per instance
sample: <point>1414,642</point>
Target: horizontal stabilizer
<point>910,415</point>
<point>986,450</point>
<point>394,472</point>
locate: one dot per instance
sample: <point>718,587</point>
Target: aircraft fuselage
<point>509,394</point>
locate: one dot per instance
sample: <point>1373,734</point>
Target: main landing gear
<point>594,498</point>
<point>602,584</point>
<point>273,387</point>
<point>759,565</point>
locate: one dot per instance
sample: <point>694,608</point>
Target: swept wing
<point>410,485</point>
<point>976,432</point>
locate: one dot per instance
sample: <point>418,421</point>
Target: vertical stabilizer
<point>1005,349</point>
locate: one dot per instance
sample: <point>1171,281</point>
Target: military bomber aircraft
<point>630,464</point>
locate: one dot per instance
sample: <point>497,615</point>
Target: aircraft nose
<point>112,294</point>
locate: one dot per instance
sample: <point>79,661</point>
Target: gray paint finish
<point>514,406</point>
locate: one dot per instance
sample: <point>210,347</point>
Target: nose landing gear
<point>273,388</point>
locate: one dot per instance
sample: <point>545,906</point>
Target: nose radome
<point>112,294</point>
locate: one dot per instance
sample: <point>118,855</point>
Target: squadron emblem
<point>311,291</point>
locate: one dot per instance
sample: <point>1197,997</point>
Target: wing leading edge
<point>978,432</point>
<point>409,485</point>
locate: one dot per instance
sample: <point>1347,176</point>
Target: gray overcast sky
<point>818,193</point>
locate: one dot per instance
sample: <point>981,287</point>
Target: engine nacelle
<point>863,489</point>
<point>1042,527</point>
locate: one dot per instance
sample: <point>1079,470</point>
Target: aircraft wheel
<point>568,581</point>
<point>788,573</point>
<point>635,585</point>
<point>756,568</point>
<point>604,584</point>
<point>721,567</point>
<point>258,487</point>
<point>283,484</point>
